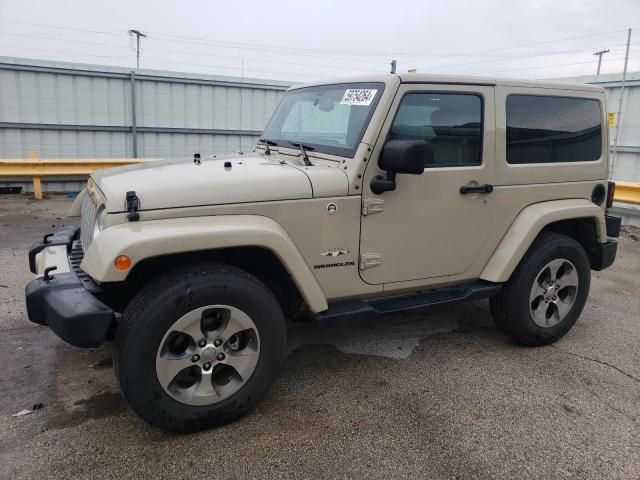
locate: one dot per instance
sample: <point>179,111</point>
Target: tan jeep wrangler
<point>364,197</point>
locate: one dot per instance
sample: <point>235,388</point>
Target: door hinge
<point>372,205</point>
<point>368,260</point>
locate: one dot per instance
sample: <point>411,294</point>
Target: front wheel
<point>199,347</point>
<point>546,293</point>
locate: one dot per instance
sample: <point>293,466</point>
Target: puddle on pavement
<point>84,388</point>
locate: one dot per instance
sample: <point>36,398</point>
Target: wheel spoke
<point>204,392</point>
<point>537,291</point>
<point>190,324</point>
<point>569,278</point>
<point>554,318</point>
<point>168,367</point>
<point>563,306</point>
<point>553,268</point>
<point>540,313</point>
<point>243,362</point>
<point>237,322</point>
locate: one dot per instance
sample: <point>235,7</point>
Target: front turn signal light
<point>122,262</point>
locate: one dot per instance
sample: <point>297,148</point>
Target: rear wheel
<point>199,347</point>
<point>546,293</point>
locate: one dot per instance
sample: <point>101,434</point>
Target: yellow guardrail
<point>626,192</point>
<point>36,169</point>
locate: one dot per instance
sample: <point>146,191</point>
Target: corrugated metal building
<point>65,110</point>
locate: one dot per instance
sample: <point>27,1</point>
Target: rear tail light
<point>611,191</point>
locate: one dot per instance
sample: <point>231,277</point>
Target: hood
<point>249,178</point>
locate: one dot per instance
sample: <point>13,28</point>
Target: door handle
<point>486,188</point>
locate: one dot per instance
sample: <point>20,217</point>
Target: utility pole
<point>138,34</point>
<point>599,53</point>
<point>624,78</point>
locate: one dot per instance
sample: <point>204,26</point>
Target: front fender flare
<point>147,239</point>
<point>526,227</point>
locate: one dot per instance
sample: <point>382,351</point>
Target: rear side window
<point>544,129</point>
<point>450,123</point>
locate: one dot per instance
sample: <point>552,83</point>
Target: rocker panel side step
<point>359,308</point>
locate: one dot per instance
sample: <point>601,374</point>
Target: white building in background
<point>66,110</point>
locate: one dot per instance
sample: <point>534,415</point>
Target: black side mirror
<point>399,156</point>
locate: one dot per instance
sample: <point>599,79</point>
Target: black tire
<point>510,308</point>
<point>154,310</point>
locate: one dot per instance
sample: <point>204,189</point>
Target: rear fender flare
<point>526,227</point>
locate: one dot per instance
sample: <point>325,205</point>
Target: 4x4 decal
<point>335,252</point>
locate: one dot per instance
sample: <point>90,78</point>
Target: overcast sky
<point>303,40</point>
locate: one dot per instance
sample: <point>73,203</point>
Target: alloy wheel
<point>208,355</point>
<point>553,293</point>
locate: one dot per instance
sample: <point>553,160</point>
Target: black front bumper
<point>63,302</point>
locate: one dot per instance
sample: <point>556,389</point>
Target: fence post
<point>37,188</point>
<point>134,133</point>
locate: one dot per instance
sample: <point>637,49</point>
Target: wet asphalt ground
<point>435,394</point>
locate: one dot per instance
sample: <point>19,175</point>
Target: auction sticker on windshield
<point>358,96</point>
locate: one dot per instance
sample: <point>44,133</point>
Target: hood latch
<point>132,206</point>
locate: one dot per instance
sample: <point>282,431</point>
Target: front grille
<point>87,220</point>
<point>75,259</point>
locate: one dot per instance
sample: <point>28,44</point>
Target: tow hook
<point>46,277</point>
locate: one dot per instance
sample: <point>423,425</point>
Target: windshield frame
<point>347,152</point>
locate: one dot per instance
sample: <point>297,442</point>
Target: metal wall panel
<point>43,143</point>
<point>162,104</point>
<point>156,145</point>
<point>61,110</point>
<point>49,98</point>
<point>627,167</point>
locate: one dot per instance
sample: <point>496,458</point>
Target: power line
<point>343,55</point>
<point>332,67</point>
<point>76,29</point>
<point>347,52</point>
<point>219,67</point>
<point>184,52</point>
<point>511,59</point>
<point>546,66</point>
<point>289,48</point>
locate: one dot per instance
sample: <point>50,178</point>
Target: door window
<point>451,124</point>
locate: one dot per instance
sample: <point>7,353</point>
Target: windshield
<point>330,118</point>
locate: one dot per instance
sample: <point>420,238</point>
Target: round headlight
<point>100,217</point>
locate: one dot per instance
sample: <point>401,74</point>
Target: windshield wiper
<point>303,150</point>
<point>267,150</point>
